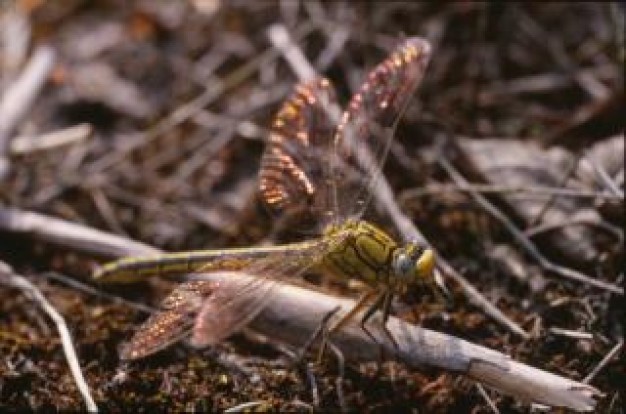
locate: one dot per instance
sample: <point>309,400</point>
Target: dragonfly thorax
<point>367,253</point>
<point>362,251</point>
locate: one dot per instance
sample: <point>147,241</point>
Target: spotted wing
<point>293,167</point>
<point>171,323</point>
<point>365,130</point>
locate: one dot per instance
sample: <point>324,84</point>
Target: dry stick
<point>294,313</point>
<point>538,218</point>
<point>101,202</point>
<point>73,135</point>
<point>8,277</point>
<point>245,407</point>
<point>521,238</point>
<point>607,358</point>
<point>280,38</point>
<point>506,189</point>
<point>609,228</point>
<point>19,98</point>
<point>384,197</point>
<point>89,290</point>
<point>604,176</point>
<point>586,336</point>
<point>74,236</point>
<point>487,398</point>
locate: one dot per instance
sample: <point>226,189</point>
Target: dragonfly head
<point>412,263</point>
<point>415,264</point>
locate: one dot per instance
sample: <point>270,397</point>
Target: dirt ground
<point>173,100</point>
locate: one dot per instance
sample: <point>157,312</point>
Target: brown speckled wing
<point>173,322</point>
<point>323,163</point>
<point>364,133</point>
<point>293,167</point>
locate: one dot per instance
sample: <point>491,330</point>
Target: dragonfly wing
<point>171,323</point>
<point>293,172</point>
<point>234,304</point>
<point>231,308</point>
<point>364,133</point>
<point>211,311</point>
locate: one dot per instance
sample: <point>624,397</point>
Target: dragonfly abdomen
<point>169,264</point>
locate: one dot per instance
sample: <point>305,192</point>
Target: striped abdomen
<point>134,269</point>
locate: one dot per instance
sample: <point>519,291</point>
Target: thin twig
<point>75,236</point>
<point>538,218</point>
<point>487,398</point>
<point>506,189</point>
<point>280,38</point>
<point>8,277</point>
<point>571,334</point>
<point>521,238</point>
<point>605,178</point>
<point>577,221</point>
<point>607,358</point>
<point>19,98</point>
<point>244,407</point>
<point>73,135</point>
<point>68,281</point>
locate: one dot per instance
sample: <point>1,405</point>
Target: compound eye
<point>404,266</point>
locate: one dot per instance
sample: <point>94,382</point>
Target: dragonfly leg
<point>386,312</point>
<point>360,304</point>
<point>315,393</point>
<point>341,370</point>
<point>377,304</point>
<point>320,330</point>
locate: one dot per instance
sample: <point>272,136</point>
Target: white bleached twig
<point>20,96</point>
<point>27,144</point>
<point>8,277</point>
<point>60,232</point>
<point>294,314</point>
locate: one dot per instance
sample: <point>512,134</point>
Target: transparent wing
<point>293,175</point>
<point>211,311</point>
<point>364,133</point>
<point>171,323</point>
<point>220,317</point>
<point>237,302</point>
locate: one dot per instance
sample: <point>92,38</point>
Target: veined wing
<point>293,171</point>
<point>213,311</point>
<point>364,133</point>
<point>171,323</point>
<point>324,163</point>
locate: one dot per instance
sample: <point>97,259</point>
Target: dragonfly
<point>320,164</point>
